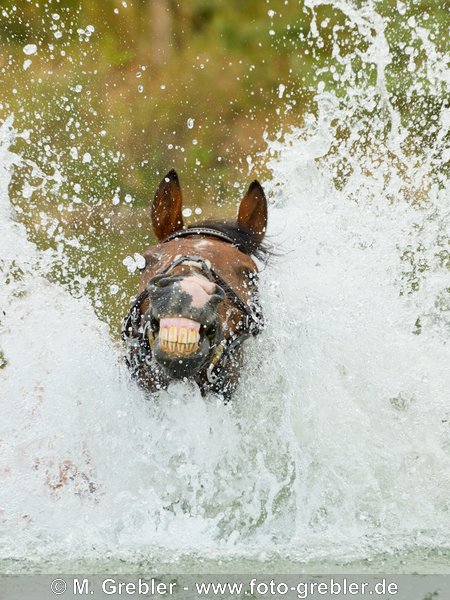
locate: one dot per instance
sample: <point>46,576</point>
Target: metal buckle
<point>218,353</point>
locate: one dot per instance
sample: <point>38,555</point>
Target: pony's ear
<point>252,214</point>
<point>166,208</point>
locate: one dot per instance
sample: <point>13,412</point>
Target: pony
<point>197,301</point>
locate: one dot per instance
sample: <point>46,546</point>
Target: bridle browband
<point>193,231</point>
<point>136,325</point>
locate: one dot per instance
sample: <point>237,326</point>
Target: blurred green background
<point>116,93</point>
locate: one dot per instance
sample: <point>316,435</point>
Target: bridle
<point>136,325</point>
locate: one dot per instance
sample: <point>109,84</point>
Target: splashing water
<point>337,446</point>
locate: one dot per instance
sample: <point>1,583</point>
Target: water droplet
<point>190,123</point>
<point>30,49</point>
<point>130,264</point>
<point>139,260</point>
<point>27,191</point>
<point>187,212</point>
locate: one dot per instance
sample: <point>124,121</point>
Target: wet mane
<point>241,237</point>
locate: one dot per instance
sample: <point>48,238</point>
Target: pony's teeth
<point>179,336</point>
<point>186,348</point>
<point>193,336</point>
<point>182,335</point>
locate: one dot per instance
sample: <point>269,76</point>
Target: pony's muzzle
<point>185,326</point>
<point>193,297</point>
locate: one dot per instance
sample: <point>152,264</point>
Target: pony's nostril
<point>220,292</point>
<point>162,281</point>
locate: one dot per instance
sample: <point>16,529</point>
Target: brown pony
<point>198,297</point>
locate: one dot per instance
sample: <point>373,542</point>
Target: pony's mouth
<point>178,336</point>
<point>181,345</point>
